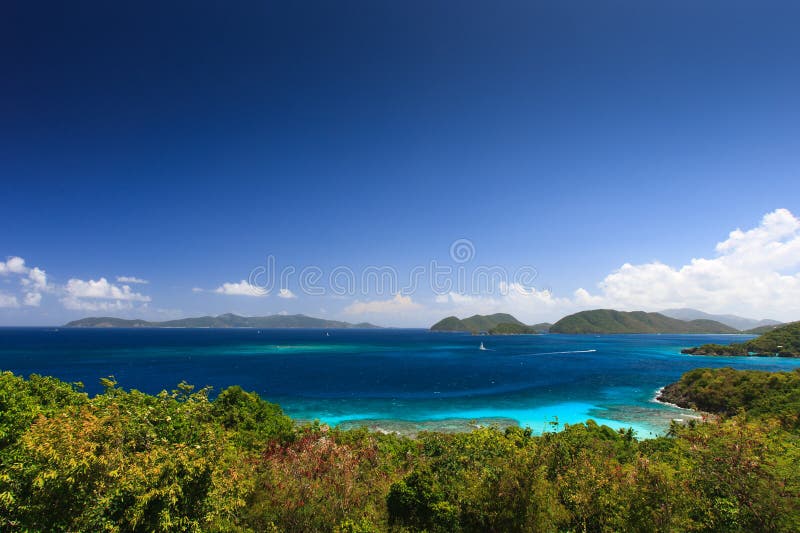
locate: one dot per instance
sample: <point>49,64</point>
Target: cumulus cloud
<point>99,295</point>
<point>8,300</point>
<point>102,289</point>
<point>37,279</point>
<point>14,265</point>
<point>77,304</point>
<point>33,281</point>
<point>528,304</point>
<point>132,279</point>
<point>198,289</point>
<point>398,304</point>
<point>286,293</point>
<point>755,272</point>
<point>33,299</point>
<point>243,288</point>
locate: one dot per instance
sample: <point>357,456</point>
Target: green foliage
<point>255,421</point>
<point>450,323</point>
<point>744,475</point>
<point>475,323</point>
<point>21,401</point>
<point>735,348</point>
<point>178,461</point>
<point>782,341</point>
<point>727,391</point>
<point>512,329</point>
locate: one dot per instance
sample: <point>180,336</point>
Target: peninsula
<point>782,341</point>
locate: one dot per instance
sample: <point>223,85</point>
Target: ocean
<point>391,379</point>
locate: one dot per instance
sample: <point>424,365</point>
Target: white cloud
<point>77,304</point>
<point>755,273</point>
<point>38,279</point>
<point>132,279</point>
<point>8,300</point>
<point>527,304</point>
<point>398,304</point>
<point>243,288</point>
<point>198,289</point>
<point>13,265</point>
<point>33,299</point>
<point>99,295</point>
<point>102,289</point>
<point>34,282</point>
<point>286,293</point>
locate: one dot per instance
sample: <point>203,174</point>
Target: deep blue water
<point>388,375</point>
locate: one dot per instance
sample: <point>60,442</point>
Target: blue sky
<point>184,144</point>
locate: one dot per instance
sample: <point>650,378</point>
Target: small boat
<point>327,334</point>
<point>482,347</point>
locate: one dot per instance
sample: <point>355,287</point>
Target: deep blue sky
<point>183,142</point>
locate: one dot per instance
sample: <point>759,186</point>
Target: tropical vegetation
<point>780,341</point>
<point>185,460</point>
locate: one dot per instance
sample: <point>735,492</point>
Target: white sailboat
<point>482,347</point>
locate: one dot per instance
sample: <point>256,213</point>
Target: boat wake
<point>569,351</point>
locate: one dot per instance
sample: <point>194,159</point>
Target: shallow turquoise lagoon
<point>391,379</point>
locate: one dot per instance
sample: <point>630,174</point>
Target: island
<point>496,324</point>
<point>781,341</point>
<point>741,323</point>
<point>228,320</point>
<point>603,321</point>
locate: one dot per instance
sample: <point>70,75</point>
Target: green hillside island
<point>187,460</point>
<point>228,320</point>
<point>782,341</point>
<point>496,324</point>
<point>762,329</point>
<point>602,321</point>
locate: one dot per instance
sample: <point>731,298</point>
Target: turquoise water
<point>391,379</point>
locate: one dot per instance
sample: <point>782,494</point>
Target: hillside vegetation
<point>519,329</point>
<point>782,341</point>
<point>727,391</point>
<point>600,321</point>
<point>475,323</point>
<point>184,461</point>
<point>496,324</point>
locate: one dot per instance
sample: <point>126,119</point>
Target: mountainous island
<point>496,324</point>
<point>608,321</point>
<point>228,320</point>
<point>738,322</point>
<point>601,321</point>
<point>782,341</point>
